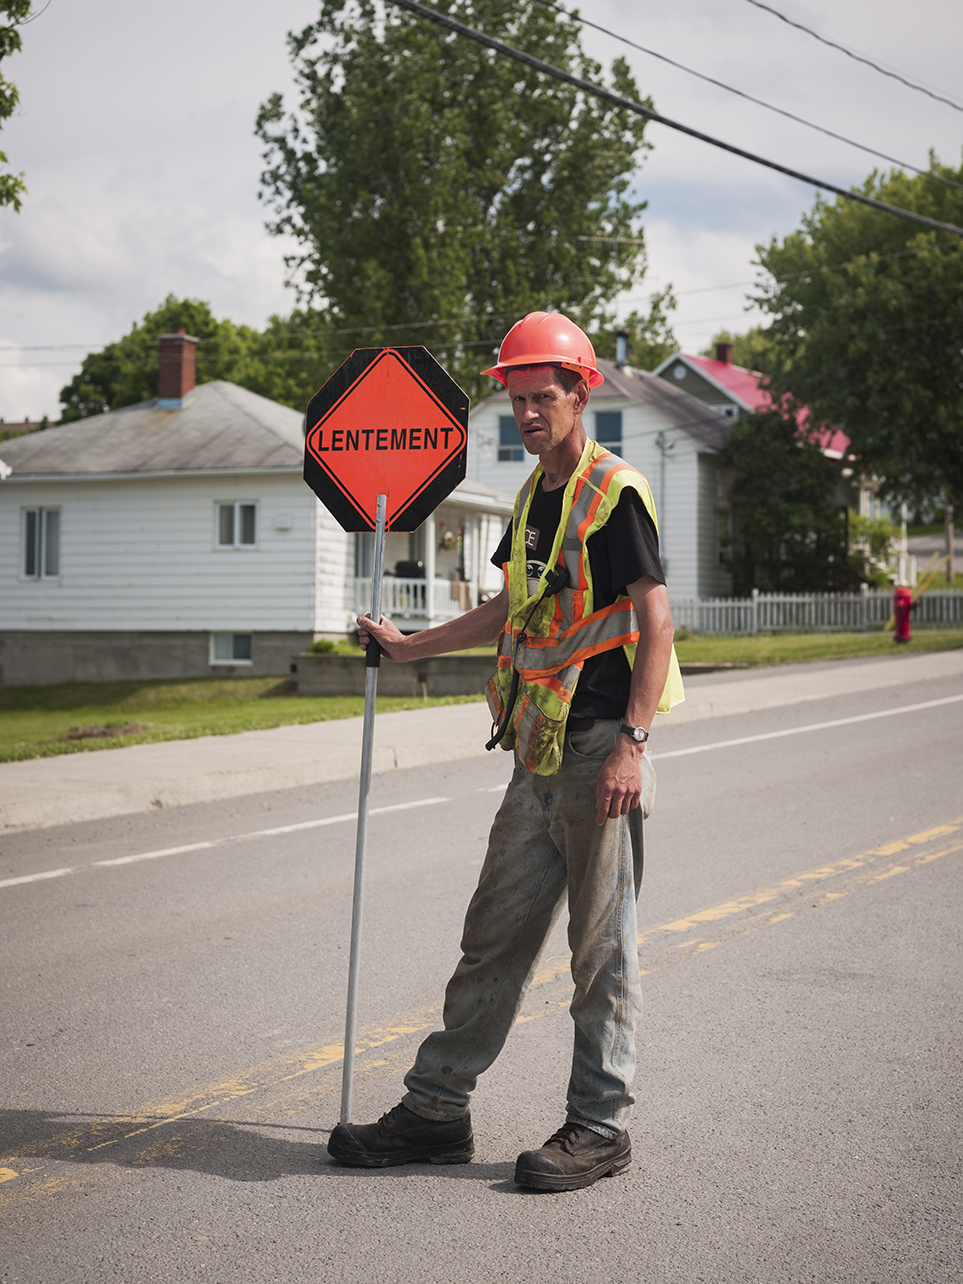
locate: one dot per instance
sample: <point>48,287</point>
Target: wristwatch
<point>638,734</point>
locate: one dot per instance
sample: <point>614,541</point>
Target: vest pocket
<point>496,693</point>
<point>539,737</point>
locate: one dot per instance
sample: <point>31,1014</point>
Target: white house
<point>177,537</point>
<point>669,436</point>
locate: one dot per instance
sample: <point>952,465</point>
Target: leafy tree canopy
<point>125,372</point>
<point>436,191</point>
<point>867,329</point>
<point>13,13</point>
<point>752,350</point>
<point>789,525</point>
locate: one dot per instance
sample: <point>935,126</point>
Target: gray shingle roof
<point>679,408</point>
<point>222,428</point>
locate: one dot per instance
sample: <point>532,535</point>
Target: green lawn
<point>38,722</point>
<point>794,648</point>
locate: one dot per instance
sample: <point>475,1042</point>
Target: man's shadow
<point>237,1150</point>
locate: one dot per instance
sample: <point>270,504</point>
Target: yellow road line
<point>554,968</point>
<point>735,917</point>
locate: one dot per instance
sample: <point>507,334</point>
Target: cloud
<point>27,391</point>
<point>136,136</point>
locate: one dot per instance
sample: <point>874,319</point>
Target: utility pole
<point>664,449</point>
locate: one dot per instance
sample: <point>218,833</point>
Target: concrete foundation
<point>35,657</point>
<point>439,675</point>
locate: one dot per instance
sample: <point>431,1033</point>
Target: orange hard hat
<point>547,339</point>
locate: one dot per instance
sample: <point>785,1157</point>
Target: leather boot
<point>402,1137</point>
<point>573,1157</point>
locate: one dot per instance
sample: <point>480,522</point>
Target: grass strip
<point>41,722</point>
<point>797,648</point>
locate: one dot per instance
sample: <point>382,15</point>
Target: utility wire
<point>793,276</point>
<point>857,57</point>
<point>628,104</point>
<point>297,335</point>
<point>749,98</point>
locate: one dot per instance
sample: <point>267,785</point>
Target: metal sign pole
<point>372,661</point>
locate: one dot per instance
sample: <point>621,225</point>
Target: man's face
<point>545,413</point>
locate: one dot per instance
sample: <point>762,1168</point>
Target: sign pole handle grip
<point>367,746</point>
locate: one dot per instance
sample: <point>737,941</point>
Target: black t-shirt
<point>623,551</point>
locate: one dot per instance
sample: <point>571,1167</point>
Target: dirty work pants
<point>545,844</point>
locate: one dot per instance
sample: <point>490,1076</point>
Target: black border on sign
<point>442,390</point>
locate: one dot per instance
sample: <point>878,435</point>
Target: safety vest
<point>549,641</point>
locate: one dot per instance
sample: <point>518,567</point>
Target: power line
<point>749,97</point>
<point>857,57</point>
<point>628,104</point>
<point>796,276</point>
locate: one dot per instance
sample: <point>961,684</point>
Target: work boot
<point>402,1137</point>
<point>573,1157</point>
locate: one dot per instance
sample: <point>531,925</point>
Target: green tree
<point>867,329</point>
<point>125,372</point>
<point>16,12</point>
<point>789,531</point>
<point>437,191</point>
<point>291,358</point>
<point>752,350</point>
<point>873,549</point>
<point>650,337</point>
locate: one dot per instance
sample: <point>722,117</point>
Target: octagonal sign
<point>389,421</point>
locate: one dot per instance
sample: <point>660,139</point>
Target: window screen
<point>31,543</point>
<point>41,543</point>
<point>247,524</point>
<point>237,525</point>
<point>232,648</point>
<point>608,429</point>
<point>51,542</point>
<point>510,449</point>
<point>225,524</point>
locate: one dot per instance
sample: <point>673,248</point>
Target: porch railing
<point>408,600</point>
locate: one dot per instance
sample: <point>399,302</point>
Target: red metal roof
<point>745,385</point>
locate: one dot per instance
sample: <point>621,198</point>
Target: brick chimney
<point>176,378</point>
<point>724,353</point>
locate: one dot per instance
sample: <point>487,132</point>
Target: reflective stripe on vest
<point>563,631</point>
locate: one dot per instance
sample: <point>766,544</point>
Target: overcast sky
<point>136,136</point>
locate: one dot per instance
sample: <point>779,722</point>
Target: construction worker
<point>585,661</point>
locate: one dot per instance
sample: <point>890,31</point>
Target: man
<point>584,593</point>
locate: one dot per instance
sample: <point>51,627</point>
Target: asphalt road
<point>172,1027</point>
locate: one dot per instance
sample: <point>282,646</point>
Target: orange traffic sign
<point>389,421</point>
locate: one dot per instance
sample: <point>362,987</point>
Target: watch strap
<point>638,734</point>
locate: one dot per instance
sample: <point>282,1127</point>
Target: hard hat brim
<point>594,377</point>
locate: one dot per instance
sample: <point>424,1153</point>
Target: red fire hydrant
<point>902,607</point>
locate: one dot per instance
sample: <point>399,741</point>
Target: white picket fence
<point>407,602</point>
<point>811,612</point>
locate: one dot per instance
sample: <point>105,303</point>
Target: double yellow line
<point>284,1079</point>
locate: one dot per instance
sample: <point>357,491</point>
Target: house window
<point>237,525</point>
<point>232,648</point>
<point>608,429</point>
<point>510,449</point>
<point>723,535</point>
<point>41,543</point>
